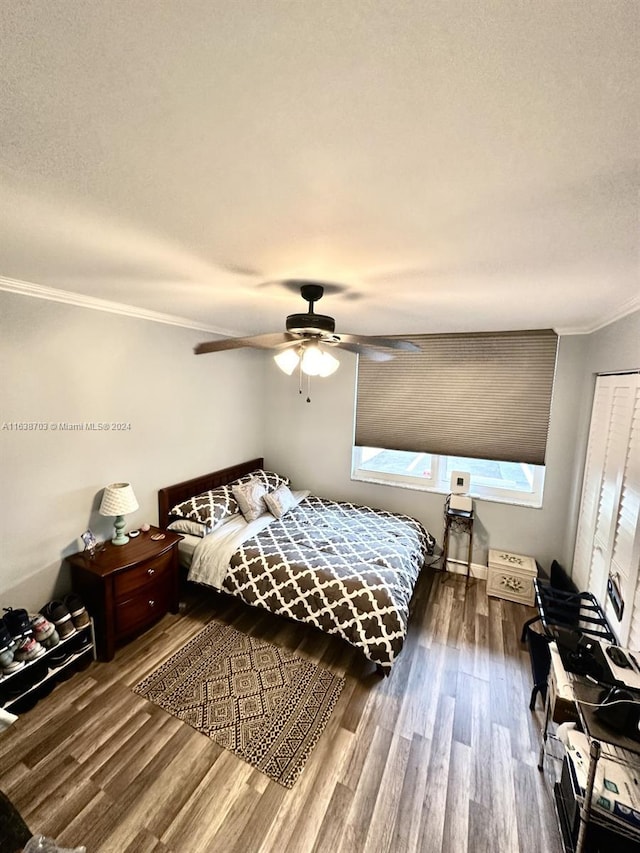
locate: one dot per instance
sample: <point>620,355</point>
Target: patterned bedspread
<point>349,570</point>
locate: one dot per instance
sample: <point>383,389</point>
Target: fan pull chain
<point>308,389</point>
<point>300,376</point>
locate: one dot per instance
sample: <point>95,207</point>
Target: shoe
<point>58,613</point>
<point>77,610</point>
<point>6,640</point>
<point>15,687</point>
<point>12,667</point>
<point>58,658</point>
<point>18,623</point>
<point>52,640</point>
<point>6,656</point>
<point>42,628</point>
<point>28,649</point>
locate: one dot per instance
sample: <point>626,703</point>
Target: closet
<point>607,552</point>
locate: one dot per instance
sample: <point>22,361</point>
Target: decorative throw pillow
<point>250,498</point>
<point>195,528</point>
<point>280,501</point>
<point>210,508</point>
<point>270,479</point>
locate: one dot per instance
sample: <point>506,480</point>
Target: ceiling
<point>457,165</point>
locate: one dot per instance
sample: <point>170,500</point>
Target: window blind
<point>484,395</point>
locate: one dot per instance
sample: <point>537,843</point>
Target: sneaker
<point>6,656</point>
<point>18,623</point>
<point>77,610</point>
<point>58,613</point>
<point>6,640</point>
<point>28,649</point>
<point>52,640</point>
<point>12,667</point>
<point>58,658</point>
<point>42,628</point>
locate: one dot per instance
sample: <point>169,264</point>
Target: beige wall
<point>60,363</point>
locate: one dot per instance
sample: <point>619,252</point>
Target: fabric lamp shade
<point>118,499</point>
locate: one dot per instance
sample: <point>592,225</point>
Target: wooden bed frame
<point>172,495</point>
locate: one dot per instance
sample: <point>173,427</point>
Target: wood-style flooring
<point>440,756</point>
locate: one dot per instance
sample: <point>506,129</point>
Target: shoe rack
<point>22,690</point>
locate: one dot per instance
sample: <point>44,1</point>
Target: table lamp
<point>118,500</point>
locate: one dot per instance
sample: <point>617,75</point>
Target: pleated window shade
<point>483,395</point>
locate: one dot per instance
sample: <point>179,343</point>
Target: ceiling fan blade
<point>373,341</point>
<point>368,352</point>
<point>274,340</point>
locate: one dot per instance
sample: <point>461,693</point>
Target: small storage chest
<point>510,576</point>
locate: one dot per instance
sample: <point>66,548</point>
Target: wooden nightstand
<point>126,588</point>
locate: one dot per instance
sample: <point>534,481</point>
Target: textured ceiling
<point>457,165</point>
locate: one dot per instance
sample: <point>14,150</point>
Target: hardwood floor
<point>440,756</point>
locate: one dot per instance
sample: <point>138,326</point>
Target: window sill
<point>534,503</point>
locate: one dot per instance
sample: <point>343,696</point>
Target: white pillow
<point>195,528</point>
<point>280,501</point>
<point>250,497</point>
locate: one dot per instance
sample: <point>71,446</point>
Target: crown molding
<point>628,307</point>
<point>80,300</point>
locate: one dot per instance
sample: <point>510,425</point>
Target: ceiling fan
<point>301,344</point>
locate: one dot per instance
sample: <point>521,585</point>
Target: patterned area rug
<point>261,702</point>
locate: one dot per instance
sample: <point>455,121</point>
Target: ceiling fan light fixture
<point>328,365</point>
<point>287,360</point>
<point>317,362</point>
<point>311,360</point>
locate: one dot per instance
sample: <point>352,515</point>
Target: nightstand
<point>126,588</point>
<point>460,521</point>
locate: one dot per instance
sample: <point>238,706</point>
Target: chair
<point>560,605</point>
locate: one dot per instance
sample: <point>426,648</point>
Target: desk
<point>604,743</point>
<point>460,522</point>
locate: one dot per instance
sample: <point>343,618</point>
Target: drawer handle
<point>152,603</point>
<point>151,571</point>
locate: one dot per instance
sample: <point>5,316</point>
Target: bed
<point>349,570</point>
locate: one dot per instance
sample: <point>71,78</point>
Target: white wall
<point>313,441</point>
<point>58,363</point>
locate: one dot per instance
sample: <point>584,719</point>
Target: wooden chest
<point>510,576</point>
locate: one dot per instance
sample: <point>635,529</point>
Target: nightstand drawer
<point>140,577</point>
<point>142,609</point>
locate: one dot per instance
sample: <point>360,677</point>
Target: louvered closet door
<point>608,538</point>
<point>594,463</point>
<point>626,550</point>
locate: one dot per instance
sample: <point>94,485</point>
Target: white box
<point>510,576</point>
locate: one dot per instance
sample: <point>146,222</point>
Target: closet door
<point>608,537</point>
<point>627,545</point>
<point>592,484</point>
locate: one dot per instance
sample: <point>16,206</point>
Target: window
<point>506,482</point>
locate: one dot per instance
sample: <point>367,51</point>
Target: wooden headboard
<point>172,495</point>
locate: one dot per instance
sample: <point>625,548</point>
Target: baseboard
<point>457,567</point>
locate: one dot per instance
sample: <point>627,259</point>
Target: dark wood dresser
<point>126,588</point>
